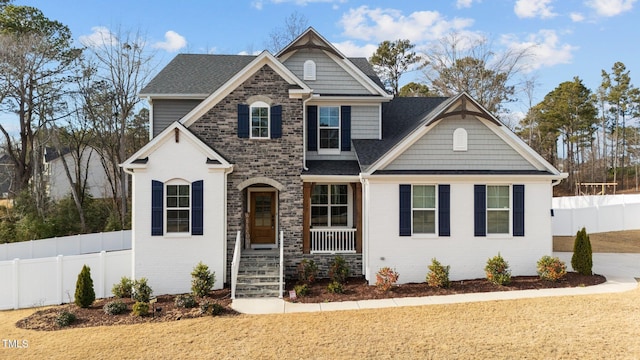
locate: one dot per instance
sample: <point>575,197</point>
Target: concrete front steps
<point>258,274</point>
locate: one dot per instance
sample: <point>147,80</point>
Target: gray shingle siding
<point>165,112</point>
<point>365,122</point>
<point>486,151</point>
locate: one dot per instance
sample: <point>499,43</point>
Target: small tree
<point>202,280</point>
<point>582,260</point>
<point>438,275</point>
<point>85,295</point>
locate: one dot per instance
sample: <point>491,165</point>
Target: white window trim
<point>166,208</point>
<point>259,104</point>
<point>487,210</point>
<point>349,206</point>
<point>435,209</point>
<point>336,151</point>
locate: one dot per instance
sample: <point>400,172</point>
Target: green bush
<point>65,318</point>
<point>307,271</point>
<point>141,291</point>
<point>302,290</point>
<point>114,307</point>
<point>582,259</point>
<point>123,289</point>
<point>85,295</point>
<point>498,271</point>
<point>185,301</point>
<point>202,280</point>
<point>386,278</point>
<point>140,308</point>
<point>438,275</point>
<point>335,287</point>
<point>551,268</point>
<point>211,308</point>
<point>338,270</point>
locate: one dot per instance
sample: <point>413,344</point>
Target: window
<point>178,208</point>
<point>498,209</point>
<point>330,205</point>
<point>259,120</point>
<point>423,209</point>
<point>329,128</point>
<point>309,70</point>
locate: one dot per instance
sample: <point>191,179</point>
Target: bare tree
<point>294,25</point>
<point>463,64</point>
<point>122,66</point>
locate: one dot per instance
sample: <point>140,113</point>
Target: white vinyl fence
<point>52,280</point>
<point>597,213</point>
<point>67,245</point>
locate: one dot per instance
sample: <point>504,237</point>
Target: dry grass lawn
<point>578,327</point>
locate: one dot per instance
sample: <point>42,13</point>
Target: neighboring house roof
<point>400,116</point>
<point>51,153</point>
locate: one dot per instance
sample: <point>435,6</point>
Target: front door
<point>263,218</point>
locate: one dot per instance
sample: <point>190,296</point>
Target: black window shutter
<point>480,210</point>
<point>157,197</point>
<point>197,207</point>
<point>312,128</point>
<point>345,128</point>
<point>276,121</point>
<point>518,210</point>
<point>243,121</point>
<point>444,210</point>
<point>405,210</point>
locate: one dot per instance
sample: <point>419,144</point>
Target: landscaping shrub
<point>307,271</point>
<point>498,271</point>
<point>202,280</point>
<point>185,301</point>
<point>302,290</point>
<point>438,275</point>
<point>335,287</point>
<point>141,291</point>
<point>85,295</point>
<point>339,270</point>
<point>386,278</point>
<point>114,307</point>
<point>551,268</point>
<point>582,259</point>
<point>65,318</point>
<point>140,308</point>
<point>123,289</point>
<point>211,308</point>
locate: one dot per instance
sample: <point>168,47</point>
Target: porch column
<point>358,216</point>
<point>306,217</point>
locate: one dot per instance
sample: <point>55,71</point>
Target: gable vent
<point>309,70</point>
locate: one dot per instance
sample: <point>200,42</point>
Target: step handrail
<point>235,265</point>
<point>281,290</point>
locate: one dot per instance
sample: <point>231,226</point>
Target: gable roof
<point>195,75</point>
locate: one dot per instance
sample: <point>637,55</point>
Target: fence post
<point>15,283</point>
<point>103,274</point>
<point>59,282</point>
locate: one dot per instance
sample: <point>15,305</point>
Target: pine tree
<point>582,260</point>
<point>85,295</point>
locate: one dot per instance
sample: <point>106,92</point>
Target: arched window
<point>309,70</point>
<point>460,140</point>
<point>259,120</point>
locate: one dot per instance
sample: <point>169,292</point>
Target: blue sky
<point>571,37</point>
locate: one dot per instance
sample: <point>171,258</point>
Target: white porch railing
<point>235,264</point>
<point>281,265</point>
<point>333,241</point>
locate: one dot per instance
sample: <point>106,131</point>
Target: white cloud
<point>350,49</point>
<point>464,3</point>
<point>173,42</point>
<point>576,17</point>
<point>545,48</point>
<point>99,37</point>
<point>257,4</point>
<point>534,8</point>
<point>610,8</point>
<point>377,24</point>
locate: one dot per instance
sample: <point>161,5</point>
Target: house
<point>92,173</point>
<point>307,143</point>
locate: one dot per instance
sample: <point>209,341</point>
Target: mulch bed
<point>354,289</point>
<point>359,289</point>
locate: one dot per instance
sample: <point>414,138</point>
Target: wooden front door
<point>263,218</point>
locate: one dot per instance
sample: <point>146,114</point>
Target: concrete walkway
<point>619,269</point>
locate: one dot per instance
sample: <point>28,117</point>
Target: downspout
<point>365,226</point>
